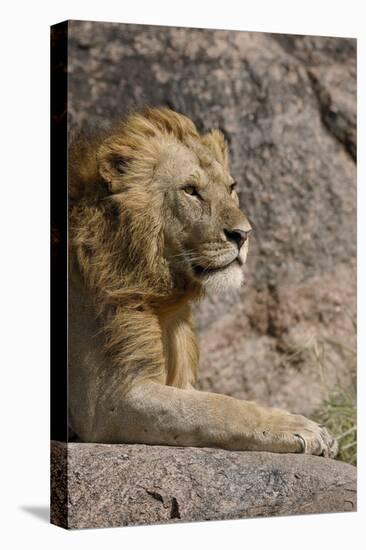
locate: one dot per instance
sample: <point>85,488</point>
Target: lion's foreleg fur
<point>153,413</point>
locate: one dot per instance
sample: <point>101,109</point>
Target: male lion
<point>154,222</point>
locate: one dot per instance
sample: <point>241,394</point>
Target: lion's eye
<point>120,165</point>
<point>233,187</point>
<point>192,191</point>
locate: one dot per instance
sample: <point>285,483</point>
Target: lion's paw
<point>296,433</point>
<point>317,441</point>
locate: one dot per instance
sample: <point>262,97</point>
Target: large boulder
<point>287,105</point>
<point>95,485</point>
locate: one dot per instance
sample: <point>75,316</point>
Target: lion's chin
<point>231,277</point>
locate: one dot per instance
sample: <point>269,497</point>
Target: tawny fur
<point>152,214</point>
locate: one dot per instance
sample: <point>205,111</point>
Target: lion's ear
<point>113,158</point>
<point>216,142</point>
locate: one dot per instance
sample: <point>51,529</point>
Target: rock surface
<point>287,105</point>
<point>114,485</point>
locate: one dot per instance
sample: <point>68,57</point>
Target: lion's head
<point>164,207</point>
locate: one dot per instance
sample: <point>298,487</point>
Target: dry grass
<point>338,411</point>
<point>338,414</point>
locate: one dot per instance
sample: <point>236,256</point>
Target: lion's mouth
<point>202,271</point>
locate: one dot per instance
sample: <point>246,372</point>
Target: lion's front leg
<point>153,413</point>
<point>133,400</point>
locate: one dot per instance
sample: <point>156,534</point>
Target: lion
<point>154,224</point>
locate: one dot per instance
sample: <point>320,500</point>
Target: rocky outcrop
<point>287,105</point>
<point>114,485</point>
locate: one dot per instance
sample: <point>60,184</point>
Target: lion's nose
<point>237,236</point>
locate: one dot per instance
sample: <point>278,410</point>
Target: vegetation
<point>338,411</point>
<point>338,414</point>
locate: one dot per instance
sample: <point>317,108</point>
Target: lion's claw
<point>296,433</point>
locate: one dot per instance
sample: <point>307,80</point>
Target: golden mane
<point>117,246</point>
<point>118,258</point>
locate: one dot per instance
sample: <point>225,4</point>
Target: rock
<point>114,485</point>
<point>287,343</point>
<point>287,105</point>
<point>331,67</point>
